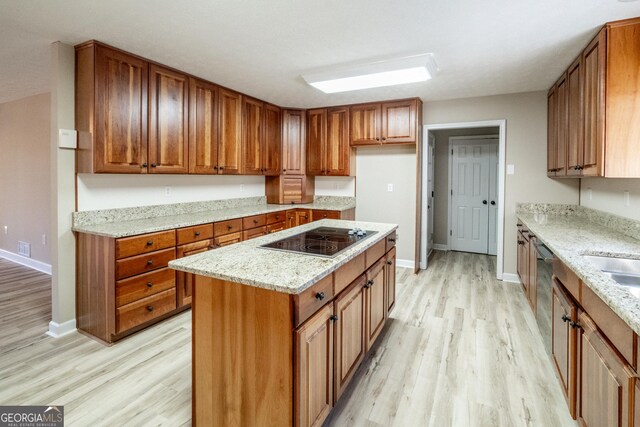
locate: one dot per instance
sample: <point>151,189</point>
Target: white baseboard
<point>440,247</point>
<point>27,262</point>
<point>510,277</point>
<point>56,330</point>
<point>404,263</point>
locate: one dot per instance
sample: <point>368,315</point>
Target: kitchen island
<point>277,336</point>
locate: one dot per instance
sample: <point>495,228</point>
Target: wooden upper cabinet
<point>229,133</point>
<point>399,121</point>
<point>168,125</point>
<point>293,142</point>
<point>594,59</point>
<point>365,124</point>
<point>574,138</point>
<point>272,150</point>
<point>316,137</point>
<point>552,130</point>
<point>203,127</point>
<point>111,110</point>
<point>562,134</point>
<point>252,136</point>
<point>337,151</point>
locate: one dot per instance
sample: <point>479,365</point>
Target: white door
<point>470,164</point>
<point>493,199</point>
<point>430,191</point>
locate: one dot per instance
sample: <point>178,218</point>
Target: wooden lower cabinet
<point>227,239</point>
<point>314,369</point>
<point>350,333</point>
<point>390,279</point>
<point>186,281</point>
<point>376,310</point>
<point>303,216</point>
<point>564,340</point>
<point>607,382</point>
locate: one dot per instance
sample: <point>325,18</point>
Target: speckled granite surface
<point>131,221</point>
<point>291,273</point>
<point>590,232</point>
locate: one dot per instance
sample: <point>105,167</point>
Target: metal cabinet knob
<point>149,242</point>
<point>320,296</point>
<point>484,202</point>
<point>150,262</point>
<point>333,317</point>
<point>153,165</point>
<point>197,233</point>
<point>389,262</point>
<point>149,308</point>
<point>149,284</point>
<point>493,202</point>
<point>144,165</point>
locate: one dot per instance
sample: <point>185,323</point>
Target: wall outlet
<point>6,229</point>
<point>241,188</point>
<point>627,201</point>
<point>390,188</point>
<point>24,249</point>
<point>44,239</point>
<point>511,169</point>
<point>167,191</point>
<point>589,194</point>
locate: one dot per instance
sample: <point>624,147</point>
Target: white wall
<point>607,194</point>
<point>526,149</point>
<point>104,191</point>
<point>343,186</point>
<point>376,167</point>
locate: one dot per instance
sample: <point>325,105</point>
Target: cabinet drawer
<point>346,274</point>
<point>254,232</point>
<point>254,221</point>
<point>375,252</point>
<point>227,227</point>
<point>568,278</point>
<point>278,226</point>
<point>228,239</point>
<point>144,285</point>
<point>275,217</point>
<point>144,263</point>
<point>194,248</point>
<point>136,313</point>
<point>136,245</point>
<point>194,234</point>
<point>311,300</point>
<point>390,241</point>
<point>322,214</point>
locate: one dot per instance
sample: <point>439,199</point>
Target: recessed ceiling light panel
<point>389,72</point>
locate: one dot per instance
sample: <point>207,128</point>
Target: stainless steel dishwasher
<point>544,285</point>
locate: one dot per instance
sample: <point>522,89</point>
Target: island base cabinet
<point>390,279</point>
<point>314,369</point>
<point>376,310</point>
<point>607,383</point>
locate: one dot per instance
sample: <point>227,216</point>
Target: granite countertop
<point>123,228</point>
<point>291,273</point>
<point>570,236</point>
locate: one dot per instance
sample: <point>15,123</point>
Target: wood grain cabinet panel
<point>272,140</point>
<point>564,342</point>
<point>364,124</point>
<point>252,136</point>
<point>229,133</point>
<point>328,150</point>
<point>289,189</point>
<point>168,125</point>
<point>318,214</point>
<point>136,245</point>
<point>311,300</point>
<point>291,218</point>
<point>139,264</point>
<point>376,310</point>
<point>574,137</point>
<point>221,228</point>
<point>594,59</point>
<point>194,233</point>
<point>349,334</point>
<point>314,369</point>
<point>399,121</point>
<point>186,281</point>
<point>390,279</point>
<point>303,216</point>
<point>144,285</point>
<point>293,142</point>
<point>145,310</point>
<point>562,136</point>
<point>316,141</point>
<point>227,239</point>
<point>111,110</point>
<point>275,217</point>
<point>203,127</point>
<point>552,130</point>
<point>278,226</point>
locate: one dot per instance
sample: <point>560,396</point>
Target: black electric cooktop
<point>321,241</point>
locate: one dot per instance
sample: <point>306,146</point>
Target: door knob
<point>484,202</point>
<point>493,202</point>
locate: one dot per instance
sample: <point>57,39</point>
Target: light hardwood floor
<point>461,348</point>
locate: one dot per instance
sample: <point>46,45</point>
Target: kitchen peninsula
<point>277,336</point>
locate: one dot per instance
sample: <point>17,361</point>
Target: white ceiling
<point>262,47</point>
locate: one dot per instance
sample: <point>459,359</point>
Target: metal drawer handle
<point>389,262</point>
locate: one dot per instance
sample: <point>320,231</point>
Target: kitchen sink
<point>624,271</point>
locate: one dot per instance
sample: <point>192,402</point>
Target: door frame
<point>452,142</point>
<point>502,131</point>
<point>425,251</point>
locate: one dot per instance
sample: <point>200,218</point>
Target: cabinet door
<point>293,142</point>
<point>364,124</point>
<point>533,273</point>
<point>229,133</point>
<point>168,125</point>
<point>290,218</point>
<point>316,141</point>
<point>523,262</point>
<point>552,130</point>
<point>338,151</point>
<point>563,126</point>
<point>563,342</point>
<point>390,279</point>
<point>605,380</point>
<point>272,150</point>
<point>303,217</point>
<point>120,112</point>
<point>186,281</point>
<point>349,333</point>
<point>203,127</point>
<point>575,141</point>
<point>375,308</point>
<point>594,62</point>
<point>228,239</point>
<point>399,121</point>
<point>314,369</point>
<point>252,136</point>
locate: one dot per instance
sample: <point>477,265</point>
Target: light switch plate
<point>67,138</point>
<point>511,169</point>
